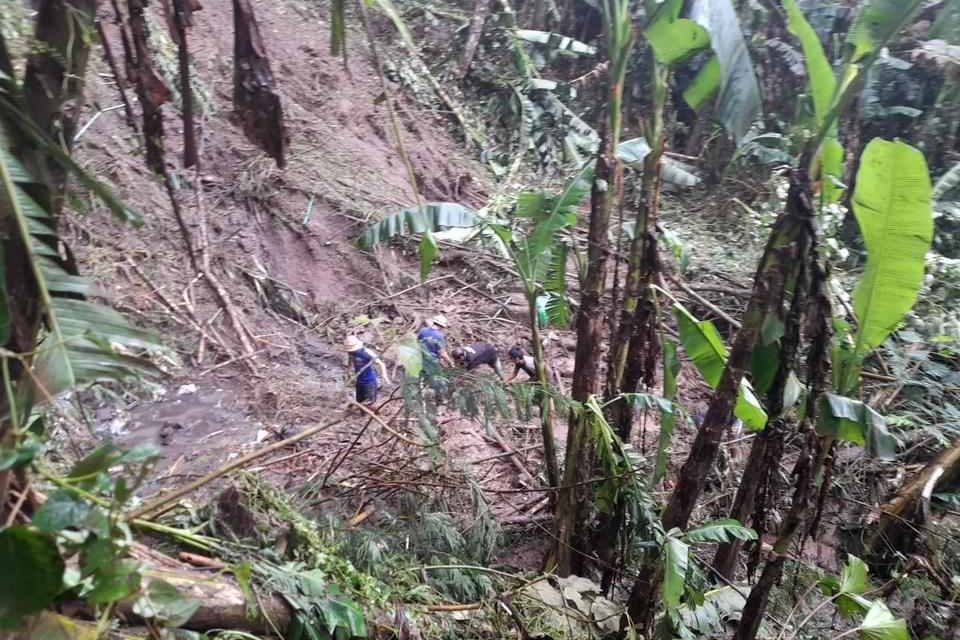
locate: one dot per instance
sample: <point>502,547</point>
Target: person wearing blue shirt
<point>365,362</point>
<point>433,342</point>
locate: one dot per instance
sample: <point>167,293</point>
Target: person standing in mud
<point>365,362</point>
<point>433,342</point>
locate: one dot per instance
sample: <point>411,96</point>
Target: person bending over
<point>472,356</point>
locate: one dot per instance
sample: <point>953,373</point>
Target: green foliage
<point>672,38</point>
<point>163,602</point>
<point>320,610</point>
<point>738,102</point>
<point>878,21</point>
<point>84,338</point>
<point>820,75</point>
<point>853,421</point>
<point>675,560</point>
<point>726,530</point>
<point>432,217</point>
<point>704,85</point>
<point>879,624</point>
<point>32,573</point>
<point>703,345</point>
<point>668,418</point>
<point>892,206</point>
<point>410,355</point>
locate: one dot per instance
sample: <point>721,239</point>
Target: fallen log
<point>899,515</point>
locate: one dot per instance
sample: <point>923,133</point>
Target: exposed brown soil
<point>281,242</point>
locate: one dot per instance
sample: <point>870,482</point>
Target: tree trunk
<point>256,101</point>
<point>480,13</point>
<point>546,413</point>
<point>53,89</point>
<point>806,469</point>
<point>767,448</point>
<point>181,20</point>
<point>151,90</point>
<point>782,250</point>
<point>573,499</point>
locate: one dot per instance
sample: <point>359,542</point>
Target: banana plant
<point>84,341</point>
<point>536,247</point>
<point>892,203</point>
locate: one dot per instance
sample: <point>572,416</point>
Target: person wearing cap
<point>473,355</point>
<point>365,362</point>
<point>432,341</point>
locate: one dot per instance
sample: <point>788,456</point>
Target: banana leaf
<point>892,206</point>
<point>703,345</point>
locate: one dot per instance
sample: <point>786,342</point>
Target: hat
<point>353,343</point>
<point>440,320</point>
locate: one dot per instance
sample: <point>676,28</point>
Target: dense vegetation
<point>836,366</point>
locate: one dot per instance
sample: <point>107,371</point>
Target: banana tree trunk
<point>53,88</point>
<point>782,251</point>
<point>51,99</point>
<point>546,414</point>
<point>767,448</point>
<point>633,355</point>
<point>634,351</point>
<point>573,499</point>
<point>806,467</point>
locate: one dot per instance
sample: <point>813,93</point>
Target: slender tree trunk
<point>574,499</point>
<point>805,470</point>
<point>635,339</point>
<point>783,250</point>
<point>254,97</point>
<point>767,447</point>
<point>480,13</point>
<point>53,89</point>
<point>546,413</point>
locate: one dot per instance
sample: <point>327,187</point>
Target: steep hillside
<point>279,241</point>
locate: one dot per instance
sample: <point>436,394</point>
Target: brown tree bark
<point>767,447</point>
<point>254,97</point>
<point>806,467</point>
<point>782,251</point>
<point>573,499</point>
<point>53,90</point>
<point>480,13</point>
<point>182,10</point>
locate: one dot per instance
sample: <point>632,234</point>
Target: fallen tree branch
<point>165,503</point>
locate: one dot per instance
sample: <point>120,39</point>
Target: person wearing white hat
<point>433,343</point>
<point>365,362</point>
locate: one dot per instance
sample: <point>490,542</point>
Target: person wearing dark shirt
<point>365,362</point>
<point>472,356</point>
<point>523,362</point>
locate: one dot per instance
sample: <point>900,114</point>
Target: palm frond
<point>84,341</point>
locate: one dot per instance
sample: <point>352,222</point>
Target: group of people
<point>433,345</point>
